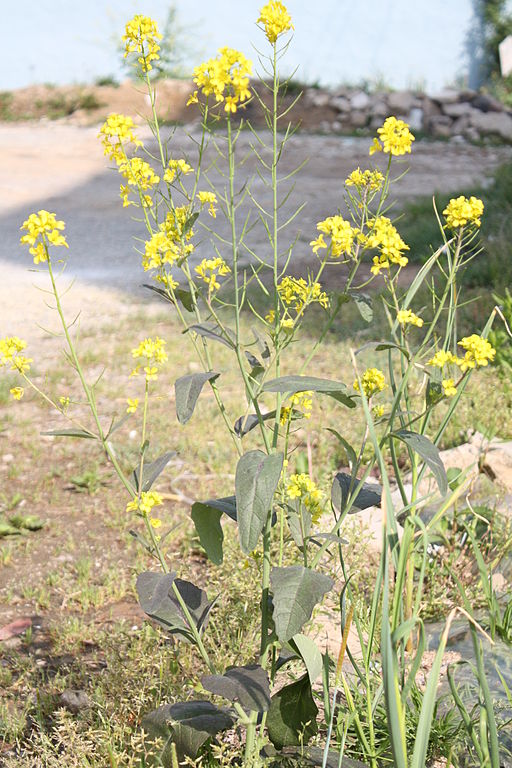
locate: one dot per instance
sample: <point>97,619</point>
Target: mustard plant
<point>286,522</point>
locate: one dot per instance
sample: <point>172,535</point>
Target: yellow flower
<point>226,77</point>
<point>276,20</point>
<point>406,317</point>
<point>370,180</point>
<point>43,229</point>
<point>10,348</point>
<point>341,232</point>
<point>64,401</point>
<point>144,505</point>
<point>176,167</point>
<point>116,132</point>
<point>449,388</point>
<point>298,401</point>
<point>479,352</point>
<point>442,358</point>
<point>302,488</point>
<point>153,352</point>
<point>384,236</point>
<point>192,99</point>
<point>378,411</point>
<point>139,174</point>
<point>17,392</point>
<point>210,199</point>
<point>133,404</point>
<point>372,381</point>
<point>210,269</point>
<point>155,522</point>
<point>395,136</point>
<point>299,293</point>
<point>461,211</point>
<point>141,36</point>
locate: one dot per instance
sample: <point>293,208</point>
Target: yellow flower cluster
<point>210,269</point>
<point>479,352</point>
<point>116,132</point>
<point>449,388</point>
<point>153,352</point>
<point>209,199</point>
<point>299,401</point>
<point>43,229</point>
<point>175,167</point>
<point>133,404</point>
<point>365,180</point>
<point>226,77</point>
<point>17,392</point>
<point>342,236</point>
<point>141,36</point>
<point>139,174</point>
<point>406,317</point>
<point>372,381</point>
<point>384,236</point>
<point>302,488</point>
<point>170,245</point>
<point>10,348</point>
<point>461,211</point>
<point>144,505</point>
<point>276,20</point>
<point>300,293</point>
<point>395,138</point>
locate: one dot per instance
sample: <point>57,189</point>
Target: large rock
<point>440,126</point>
<point>358,119</point>
<point>458,109</point>
<point>486,103</point>
<point>341,103</point>
<point>401,102</point>
<point>493,123</point>
<point>360,100</point>
<point>447,96</point>
<point>318,99</point>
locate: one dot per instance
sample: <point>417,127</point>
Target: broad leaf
<point>207,523</point>
<point>310,655</point>
<point>151,470</point>
<point>429,453</point>
<point>187,390</point>
<point>291,719</point>
<point>184,296</point>
<point>227,505</point>
<point>296,590</point>
<point>293,384</point>
<point>245,424</point>
<point>364,304</point>
<point>158,599</point>
<point>213,332</point>
<point>256,478</point>
<point>249,685</point>
<point>370,494</point>
<point>71,433</point>
<point>299,523</point>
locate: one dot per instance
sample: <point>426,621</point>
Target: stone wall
<point>448,114</point>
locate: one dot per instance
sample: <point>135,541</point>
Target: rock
<point>485,103</point>
<point>14,628</point>
<point>336,126</point>
<point>7,458</point>
<point>498,463</point>
<point>458,109</point>
<point>379,108</point>
<point>358,119</point>
<point>340,103</point>
<point>75,701</point>
<point>430,108</point>
<point>359,100</point>
<point>400,102</point>
<point>460,125</point>
<point>318,99</point>
<point>497,123</point>
<point>447,96</point>
<point>440,126</point>
<point>471,134</point>
<point>415,118</point>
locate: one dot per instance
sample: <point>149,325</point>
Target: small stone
<point>415,118</point>
<point>340,103</point>
<point>440,126</point>
<point>447,96</point>
<point>458,109</point>
<point>359,100</point>
<point>336,126</point>
<point>318,99</point>
<point>358,119</point>
<point>400,102</point>
<point>7,458</point>
<point>75,701</point>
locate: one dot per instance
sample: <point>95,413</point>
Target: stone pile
<point>459,114</point>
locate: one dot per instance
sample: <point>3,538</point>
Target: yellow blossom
<point>342,236</point>
<point>43,229</point>
<point>210,269</point>
<point>300,401</point>
<point>139,174</point>
<point>141,36</point>
<point>133,404</point>
<point>460,211</point>
<point>370,180</point>
<point>64,401</point>
<point>144,505</point>
<point>479,352</point>
<point>449,388</point>
<point>303,489</point>
<point>406,317</point>
<point>155,522</point>
<point>153,352</point>
<point>10,349</point>
<point>210,199</point>
<point>116,133</point>
<point>384,237</point>
<point>276,20</point>
<point>299,293</point>
<point>378,411</point>
<point>226,77</point>
<point>192,99</point>
<point>372,381</point>
<point>17,392</point>
<point>176,167</point>
<point>395,137</point>
<point>443,357</point>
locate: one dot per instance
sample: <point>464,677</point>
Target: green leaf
<point>189,223</point>
<point>158,599</point>
<point>351,454</point>
<point>310,655</point>
<point>187,389</point>
<point>8,530</point>
<point>213,332</point>
<point>184,296</point>
<point>293,384</point>
<point>151,470</point>
<point>364,304</point>
<point>299,522</point>
<point>71,433</point>
<point>296,591</point>
<point>245,424</point>
<point>207,523</point>
<point>227,505</point>
<point>291,719</point>
<point>382,346</point>
<point>190,724</point>
<point>256,478</point>
<point>370,494</point>
<point>428,452</point>
<point>249,685</point>
<point>434,392</point>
